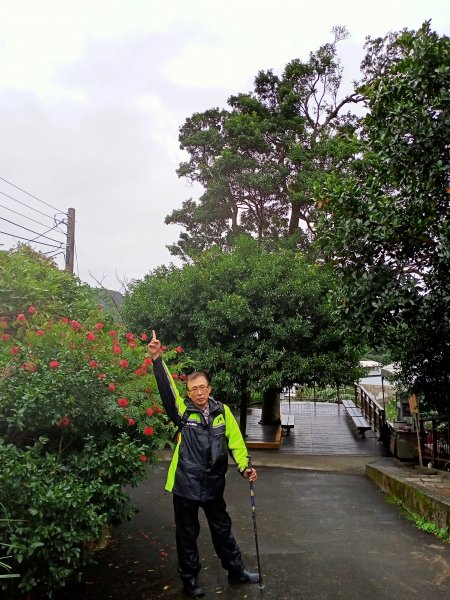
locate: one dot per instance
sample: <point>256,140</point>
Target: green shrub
<point>28,277</point>
<point>79,420</point>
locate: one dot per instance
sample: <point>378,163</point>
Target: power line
<point>30,230</point>
<point>32,196</point>
<point>29,218</point>
<point>48,231</point>
<point>53,253</point>
<point>30,207</point>
<point>28,240</point>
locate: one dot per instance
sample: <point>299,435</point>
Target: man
<point>208,431</point>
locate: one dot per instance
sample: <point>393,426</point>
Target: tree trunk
<point>245,397</point>
<point>271,407</point>
<point>234,218</point>
<point>295,218</point>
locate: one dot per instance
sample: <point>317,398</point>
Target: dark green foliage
<point>256,320</point>
<point>259,161</point>
<point>386,225</point>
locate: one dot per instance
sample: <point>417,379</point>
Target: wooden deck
<point>261,436</point>
<point>321,428</point>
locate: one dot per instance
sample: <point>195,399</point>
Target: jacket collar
<point>214,405</point>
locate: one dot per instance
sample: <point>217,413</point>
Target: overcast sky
<point>93,92</point>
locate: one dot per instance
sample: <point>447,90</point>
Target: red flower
<point>149,412</point>
<point>75,324</point>
<point>122,402</point>
<point>21,317</point>
<point>144,337</point>
<point>174,375</point>
<point>64,422</point>
<point>130,421</point>
<point>124,363</point>
<point>31,310</point>
<point>183,376</point>
<point>90,336</point>
<point>179,349</point>
<point>39,332</point>
<point>111,387</point>
<point>117,349</point>
<point>29,367</point>
<point>99,326</point>
<point>148,361</point>
<point>163,348</point>
<point>138,371</point>
<point>156,409</point>
<point>102,376</point>
<point>149,390</point>
<point>129,336</point>
<point>54,364</point>
<point>5,336</point>
<point>93,363</point>
<point>64,320</point>
<point>149,431</point>
<point>143,458</point>
<point>15,350</point>
<point>113,333</point>
<point>132,344</point>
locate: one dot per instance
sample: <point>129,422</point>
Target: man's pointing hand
<point>154,346</point>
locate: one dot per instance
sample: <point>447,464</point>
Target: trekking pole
<point>252,498</point>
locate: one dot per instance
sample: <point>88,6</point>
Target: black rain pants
<point>188,529</point>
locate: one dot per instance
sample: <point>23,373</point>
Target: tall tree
<point>387,225</point>
<point>255,320</point>
<point>258,162</point>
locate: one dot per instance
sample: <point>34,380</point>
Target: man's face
<point>199,390</point>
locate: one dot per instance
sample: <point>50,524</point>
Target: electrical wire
<point>48,231</point>
<point>23,204</point>
<point>29,218</point>
<point>32,196</point>
<point>28,240</point>
<point>30,230</point>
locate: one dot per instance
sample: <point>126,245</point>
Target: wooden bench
<point>356,416</point>
<point>287,423</point>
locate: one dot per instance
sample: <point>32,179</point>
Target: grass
<point>420,522</point>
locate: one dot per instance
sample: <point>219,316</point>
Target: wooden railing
<point>372,410</point>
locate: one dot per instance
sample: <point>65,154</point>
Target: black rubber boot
<point>192,588</point>
<point>243,577</point>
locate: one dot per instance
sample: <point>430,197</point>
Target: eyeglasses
<point>199,388</point>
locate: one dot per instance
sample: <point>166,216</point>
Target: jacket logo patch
<point>193,417</point>
<point>219,420</point>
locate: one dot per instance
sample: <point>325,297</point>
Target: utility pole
<point>70,244</point>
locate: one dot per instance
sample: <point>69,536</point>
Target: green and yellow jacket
<point>200,460</point>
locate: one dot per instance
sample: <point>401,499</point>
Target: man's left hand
<point>250,474</point>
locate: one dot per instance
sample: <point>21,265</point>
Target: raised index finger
<point>153,335</point>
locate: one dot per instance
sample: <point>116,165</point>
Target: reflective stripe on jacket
<point>200,459</point>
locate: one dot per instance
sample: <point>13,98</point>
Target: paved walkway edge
<point>403,482</point>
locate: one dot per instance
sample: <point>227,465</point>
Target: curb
<point>412,488</point>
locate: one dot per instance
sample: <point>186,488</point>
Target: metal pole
<point>252,499</point>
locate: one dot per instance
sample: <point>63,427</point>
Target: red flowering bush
<point>78,422</point>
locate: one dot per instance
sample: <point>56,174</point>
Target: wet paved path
<point>322,536</point>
